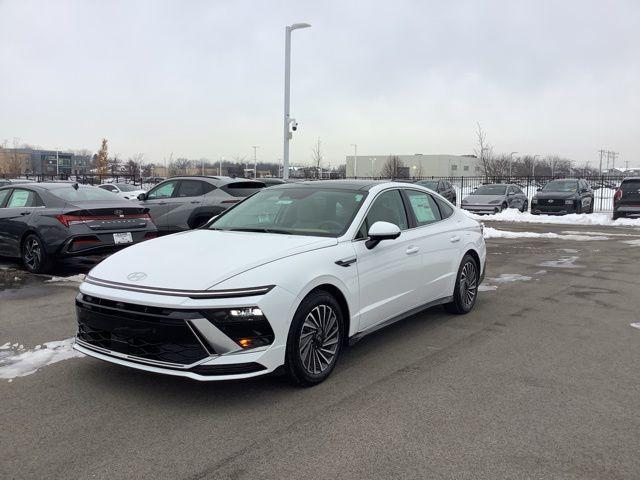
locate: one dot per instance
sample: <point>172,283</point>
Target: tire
<point>315,340</point>
<point>592,205</point>
<point>33,254</point>
<point>616,216</point>
<point>503,207</point>
<point>466,292</point>
<point>525,207</point>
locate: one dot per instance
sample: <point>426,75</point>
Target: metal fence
<point>604,186</point>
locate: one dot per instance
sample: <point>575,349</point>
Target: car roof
<point>220,180</point>
<point>336,184</point>
<point>631,178</point>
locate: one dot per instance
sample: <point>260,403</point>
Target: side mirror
<point>142,196</point>
<point>381,231</point>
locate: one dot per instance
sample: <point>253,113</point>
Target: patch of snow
<point>540,272</point>
<point>25,362</point>
<point>487,288</point>
<point>510,277</point>
<point>635,325</point>
<point>490,232</point>
<point>608,234</point>
<point>514,215</point>
<point>568,250</point>
<point>79,278</point>
<point>6,346</point>
<point>632,242</point>
<point>565,262</point>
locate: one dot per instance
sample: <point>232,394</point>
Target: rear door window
<point>190,188</point>
<point>445,210</point>
<point>424,207</point>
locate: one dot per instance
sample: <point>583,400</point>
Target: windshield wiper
<point>260,230</point>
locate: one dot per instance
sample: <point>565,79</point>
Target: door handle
<point>25,213</point>
<point>195,202</point>
<point>412,250</point>
<point>454,239</point>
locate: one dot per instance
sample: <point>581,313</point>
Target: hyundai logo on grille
<point>137,276</point>
<point>118,213</point>
<point>550,201</point>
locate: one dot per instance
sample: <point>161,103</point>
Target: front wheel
<point>315,339</point>
<point>466,291</point>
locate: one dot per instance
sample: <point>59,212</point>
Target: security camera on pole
<point>290,124</point>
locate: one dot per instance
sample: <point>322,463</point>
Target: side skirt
<point>358,336</point>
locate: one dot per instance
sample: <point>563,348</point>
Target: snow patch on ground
<point>568,250</point>
<point>635,325</point>
<point>635,243</point>
<point>19,362</point>
<point>487,288</point>
<point>514,215</point>
<point>79,278</point>
<point>510,277</point>
<point>540,272</point>
<point>490,232</point>
<point>565,262</point>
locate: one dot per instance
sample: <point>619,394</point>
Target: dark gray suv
<point>183,203</point>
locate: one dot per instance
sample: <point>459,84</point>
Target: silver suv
<point>183,203</point>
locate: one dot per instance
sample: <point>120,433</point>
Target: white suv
<point>287,277</point>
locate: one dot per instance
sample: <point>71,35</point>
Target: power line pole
<point>355,160</point>
<point>601,153</point>
<point>614,155</point>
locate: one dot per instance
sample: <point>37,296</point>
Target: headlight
<point>494,202</point>
<point>247,326</point>
<point>569,201</point>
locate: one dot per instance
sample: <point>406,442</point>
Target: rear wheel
<point>525,207</point>
<point>315,339</point>
<point>34,255</point>
<point>503,207</point>
<point>466,291</point>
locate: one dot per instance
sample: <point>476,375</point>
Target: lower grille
<point>138,335</point>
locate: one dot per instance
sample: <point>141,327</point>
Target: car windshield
<point>126,187</point>
<point>561,186</point>
<point>309,211</point>
<point>491,190</point>
<point>432,184</point>
<point>70,194</point>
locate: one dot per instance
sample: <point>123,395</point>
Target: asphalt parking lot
<point>541,380</point>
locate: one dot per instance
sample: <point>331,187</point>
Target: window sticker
<point>19,198</point>
<point>422,208</point>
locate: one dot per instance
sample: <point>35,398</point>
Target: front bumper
<point>102,242</point>
<point>194,348</point>
<point>482,209</point>
<point>558,207</point>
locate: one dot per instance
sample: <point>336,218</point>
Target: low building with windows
<point>410,166</point>
<point>20,161</point>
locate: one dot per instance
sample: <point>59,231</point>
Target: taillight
<point>150,235</point>
<point>618,195</point>
<point>67,220</point>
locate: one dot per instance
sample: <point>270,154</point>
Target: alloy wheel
<point>32,253</point>
<point>468,284</point>
<point>319,337</point>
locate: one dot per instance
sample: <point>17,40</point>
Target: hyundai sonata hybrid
<point>283,280</point>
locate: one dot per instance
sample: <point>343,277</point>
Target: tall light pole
<point>511,162</point>
<point>534,165</point>
<point>255,161</point>
<point>287,75</point>
<point>355,159</point>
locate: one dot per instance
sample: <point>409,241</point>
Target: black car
<point>270,182</point>
<point>40,222</point>
<point>560,197</point>
<point>443,187</point>
<point>626,201</point>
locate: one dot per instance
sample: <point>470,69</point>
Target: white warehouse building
<point>417,165</point>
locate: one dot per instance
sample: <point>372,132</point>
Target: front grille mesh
<point>162,338</point>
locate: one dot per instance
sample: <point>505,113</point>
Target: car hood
<point>482,199</point>
<point>200,259</point>
<point>555,195</point>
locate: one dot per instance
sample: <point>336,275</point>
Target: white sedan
<point>124,190</point>
<point>288,277</point>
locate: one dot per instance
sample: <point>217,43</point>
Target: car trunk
<point>98,217</point>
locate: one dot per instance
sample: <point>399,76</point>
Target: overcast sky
<point>205,78</point>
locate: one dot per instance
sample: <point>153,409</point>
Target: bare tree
<point>316,157</point>
<point>114,164</point>
<point>392,167</point>
<point>483,150</point>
